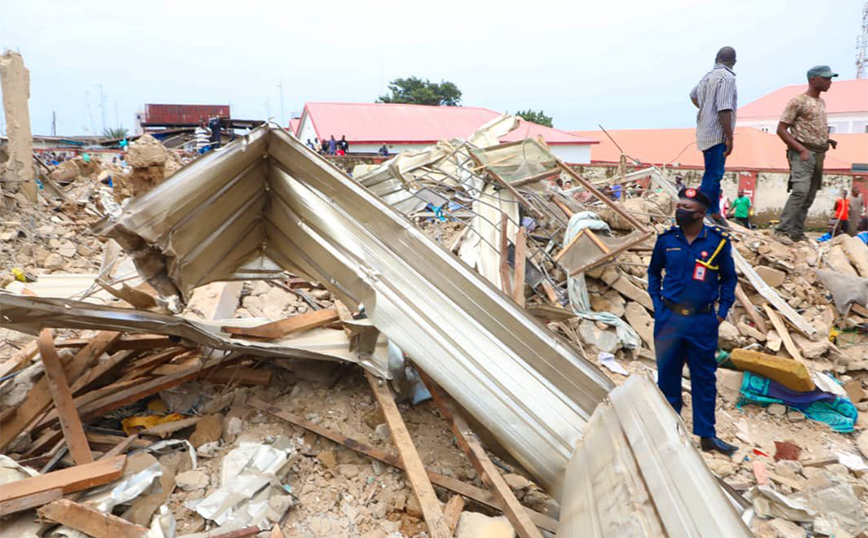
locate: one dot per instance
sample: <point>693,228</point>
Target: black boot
<point>709,444</point>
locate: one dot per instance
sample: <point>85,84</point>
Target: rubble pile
<point>151,164</point>
<point>271,404</point>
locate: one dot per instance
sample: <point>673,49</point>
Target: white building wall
<point>572,153</point>
<point>305,130</point>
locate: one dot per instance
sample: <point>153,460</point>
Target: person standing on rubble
<point>841,216</point>
<point>716,98</point>
<point>740,209</point>
<point>699,273</point>
<point>857,207</point>
<point>804,128</point>
<point>200,135</point>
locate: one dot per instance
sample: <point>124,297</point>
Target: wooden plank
<point>70,423</point>
<point>471,492</point>
<point>89,520</point>
<point>103,368</point>
<point>470,444</point>
<point>98,438</point>
<point>551,295</point>
<point>30,501</point>
<point>452,512</point>
<point>68,480</point>
<point>121,447</point>
<point>568,246</point>
<point>142,390</point>
<point>520,263</point>
<point>750,309</point>
<point>597,241</point>
<point>19,360</point>
<point>241,376</point>
<point>285,327</point>
<point>39,397</point>
<point>51,417</point>
<point>504,255</point>
<point>147,364</point>
<point>276,532</point>
<point>418,478</point>
<point>564,207</point>
<point>785,335</point>
<point>136,342</point>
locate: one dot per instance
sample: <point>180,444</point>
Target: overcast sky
<point>623,64</point>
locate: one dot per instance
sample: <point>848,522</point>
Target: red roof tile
<point>376,123</point>
<point>754,149</point>
<point>843,96</point>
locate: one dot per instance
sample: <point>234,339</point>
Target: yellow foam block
<point>787,372</point>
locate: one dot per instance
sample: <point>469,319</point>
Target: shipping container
<point>164,114</point>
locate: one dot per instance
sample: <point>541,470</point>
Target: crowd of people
<point>850,215</point>
<point>329,147</point>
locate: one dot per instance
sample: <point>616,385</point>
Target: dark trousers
<point>691,339</point>
<point>805,179</point>
<point>744,221</point>
<point>714,162</point>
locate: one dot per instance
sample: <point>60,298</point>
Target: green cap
<point>821,71</point>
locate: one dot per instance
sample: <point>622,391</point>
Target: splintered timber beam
<point>68,480</point>
<point>471,492</point>
<point>452,511</point>
<point>470,444</point>
<point>504,255</point>
<point>418,478</point>
<point>285,327</point>
<point>70,422</point>
<point>17,361</point>
<point>750,309</point>
<point>39,398</point>
<point>89,520</point>
<point>520,263</point>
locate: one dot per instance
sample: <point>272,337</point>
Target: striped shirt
<point>715,92</point>
<point>201,137</point>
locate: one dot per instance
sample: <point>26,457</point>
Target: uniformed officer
<point>699,273</point>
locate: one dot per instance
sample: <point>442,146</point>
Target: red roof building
<point>367,126</point>
<point>846,107</point>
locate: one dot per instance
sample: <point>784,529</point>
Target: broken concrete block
<point>192,480</point>
<point>777,410</point>
<point>862,443</point>
<point>727,336</point>
<point>476,525</point>
<point>787,372</point>
<point>642,323</point>
<point>773,277</point>
<point>603,340</point>
<point>857,252</point>
<point>729,384</point>
<point>780,528</point>
<point>277,507</point>
<point>328,459</point>
<point>750,332</point>
<point>837,261</point>
<point>208,430</point>
<point>809,348</point>
<point>855,391</point>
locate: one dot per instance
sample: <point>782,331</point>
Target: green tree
<point>115,132</point>
<point>417,91</point>
<point>535,117</point>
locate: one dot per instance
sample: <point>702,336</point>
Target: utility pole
<point>282,117</point>
<point>53,123</point>
<point>862,45</point>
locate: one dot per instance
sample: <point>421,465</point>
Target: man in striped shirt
<point>716,98</point>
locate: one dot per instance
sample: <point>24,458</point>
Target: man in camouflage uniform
<point>805,130</point>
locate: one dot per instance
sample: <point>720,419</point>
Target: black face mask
<point>684,217</point>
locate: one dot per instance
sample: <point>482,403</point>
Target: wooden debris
<point>752,312</point>
<point>70,423</point>
<point>39,398</point>
<point>168,428</point>
<point>103,368</point>
<point>453,510</point>
<point>470,444</point>
<point>276,532</point>
<point>19,360</point>
<point>68,480</point>
<point>471,492</point>
<point>285,327</point>
<point>90,520</point>
<point>127,342</point>
<point>504,255</point>
<point>29,501</point>
<point>240,376</point>
<point>418,478</point>
<point>784,334</point>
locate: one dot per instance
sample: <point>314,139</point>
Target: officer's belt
<point>685,309</point>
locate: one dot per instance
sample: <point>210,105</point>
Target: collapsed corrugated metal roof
<point>636,474</point>
<point>265,203</point>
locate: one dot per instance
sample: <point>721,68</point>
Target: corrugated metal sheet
<point>267,199</point>
<point>636,474</point>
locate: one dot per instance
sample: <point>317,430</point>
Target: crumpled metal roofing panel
<point>636,474</point>
<point>532,390</point>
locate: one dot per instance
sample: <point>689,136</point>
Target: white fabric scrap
<point>608,360</point>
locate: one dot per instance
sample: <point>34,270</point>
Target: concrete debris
<point>476,525</point>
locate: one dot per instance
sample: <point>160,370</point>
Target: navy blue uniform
<point>685,321</point>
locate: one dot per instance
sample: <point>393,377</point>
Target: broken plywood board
<point>287,326</point>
